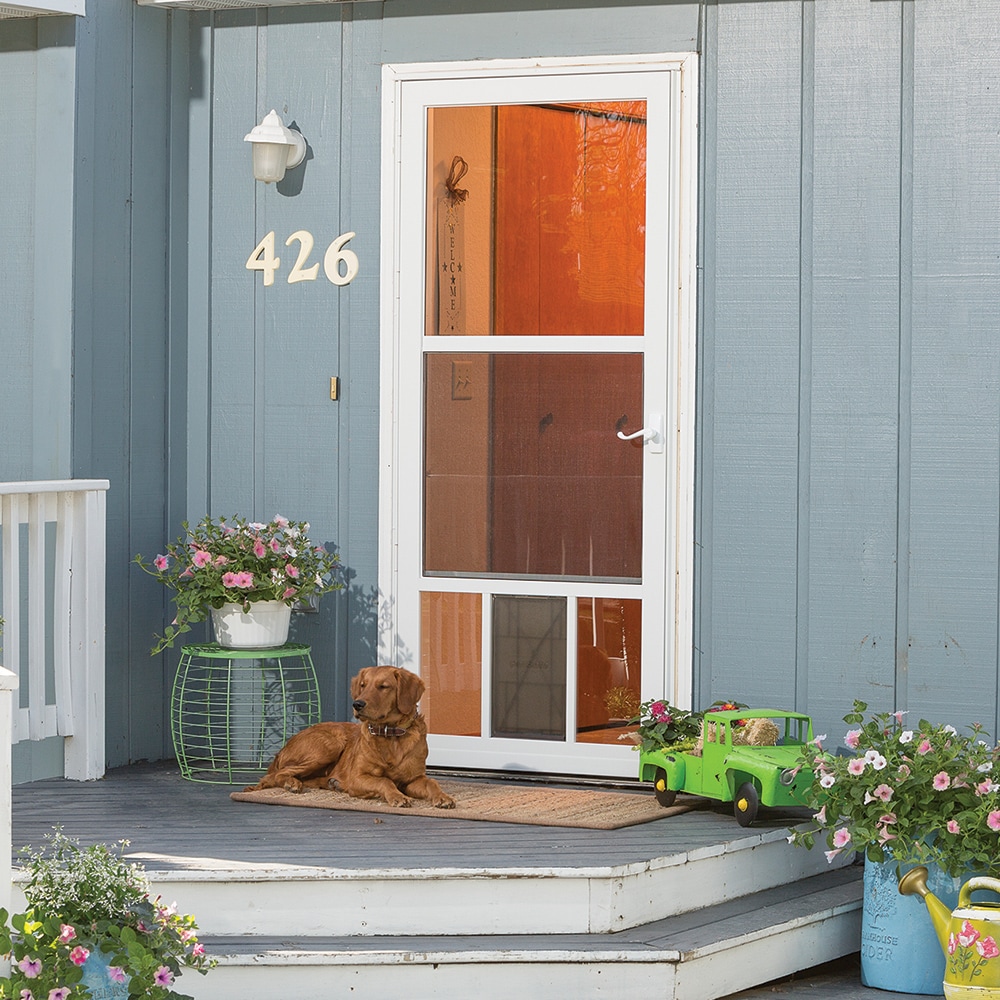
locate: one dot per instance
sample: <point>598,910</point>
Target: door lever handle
<point>652,434</point>
<point>647,434</point>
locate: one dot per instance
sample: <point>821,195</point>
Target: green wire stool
<point>231,710</point>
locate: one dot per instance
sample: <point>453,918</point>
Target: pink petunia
<point>820,817</point>
<point>26,995</point>
<point>161,563</point>
<point>79,955</point>
<point>116,974</point>
<point>291,570</point>
<point>66,933</point>
<point>288,592</point>
<point>987,947</point>
<point>830,855</point>
<point>221,560</point>
<point>925,746</point>
<point>968,935</point>
<point>883,792</point>
<point>887,818</point>
<point>244,580</point>
<point>953,826</point>
<point>941,781</point>
<point>841,837</point>
<point>61,993</point>
<point>259,549</point>
<point>201,558</point>
<point>228,579</point>
<point>198,950</point>
<point>852,738</point>
<point>898,716</point>
<point>163,976</point>
<point>856,766</point>
<point>993,820</point>
<point>31,967</point>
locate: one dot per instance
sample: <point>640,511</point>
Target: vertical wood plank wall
<point>848,406</point>
<point>848,412</point>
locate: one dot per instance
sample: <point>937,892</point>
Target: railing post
<point>84,751</point>
<point>8,685</point>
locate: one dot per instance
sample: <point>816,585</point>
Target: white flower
<point>906,736</point>
<point>876,760</point>
<point>988,766</point>
<point>951,730</point>
<point>827,781</point>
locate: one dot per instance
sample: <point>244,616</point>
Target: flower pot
<point>97,979</point>
<point>263,627</point>
<point>899,947</point>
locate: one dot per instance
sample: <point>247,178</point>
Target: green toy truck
<point>727,768</point>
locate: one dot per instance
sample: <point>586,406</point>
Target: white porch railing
<point>52,549</point>
<point>8,691</point>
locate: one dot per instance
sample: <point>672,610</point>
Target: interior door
<point>529,527</point>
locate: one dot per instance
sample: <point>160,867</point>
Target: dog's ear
<point>356,683</point>
<point>408,691</point>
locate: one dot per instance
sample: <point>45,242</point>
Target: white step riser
<point>559,901</point>
<point>499,975</point>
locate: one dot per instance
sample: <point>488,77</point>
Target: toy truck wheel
<point>745,804</point>
<point>663,794</point>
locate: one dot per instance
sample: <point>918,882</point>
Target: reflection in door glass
<point>608,668</point>
<point>451,662</point>
<point>536,219</point>
<point>529,667</point>
<point>525,474</point>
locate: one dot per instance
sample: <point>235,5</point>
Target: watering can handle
<point>980,882</point>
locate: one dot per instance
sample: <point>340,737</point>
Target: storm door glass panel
<point>451,662</point>
<point>529,667</point>
<point>524,472</point>
<point>608,668</point>
<point>536,219</point>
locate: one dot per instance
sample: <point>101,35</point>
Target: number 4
<point>262,259</point>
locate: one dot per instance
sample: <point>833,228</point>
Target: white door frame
<point>675,680</point>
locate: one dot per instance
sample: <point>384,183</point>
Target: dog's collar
<point>384,730</point>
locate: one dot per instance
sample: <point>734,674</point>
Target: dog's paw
<point>443,802</point>
<point>293,785</point>
<point>400,801</point>
<point>252,788</point>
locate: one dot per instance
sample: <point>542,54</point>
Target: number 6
<point>335,254</point>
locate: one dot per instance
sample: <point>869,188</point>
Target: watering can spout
<point>913,883</point>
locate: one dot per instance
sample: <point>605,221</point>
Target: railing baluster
<point>75,617</point>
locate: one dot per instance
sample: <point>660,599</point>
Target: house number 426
<point>339,264</point>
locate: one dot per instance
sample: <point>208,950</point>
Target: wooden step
<point>273,899</point>
<point>702,954</point>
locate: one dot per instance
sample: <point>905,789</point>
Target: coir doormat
<point>496,802</point>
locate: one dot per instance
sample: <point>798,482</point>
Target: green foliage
<point>234,561</point>
<point>926,795</point>
<point>662,725</point>
<point>82,900</point>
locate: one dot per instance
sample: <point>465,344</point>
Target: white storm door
<point>536,468</point>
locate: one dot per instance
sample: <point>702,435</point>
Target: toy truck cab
<point>728,768</point>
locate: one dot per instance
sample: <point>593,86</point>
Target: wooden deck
<point>195,839</point>
<point>184,824</point>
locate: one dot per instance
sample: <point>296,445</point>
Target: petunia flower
<point>993,820</point>
<point>856,766</point>
<point>941,781</point>
<point>116,974</point>
<point>66,933</point>
<point>925,746</point>
<point>26,995</point>
<point>61,993</point>
<point>79,955</point>
<point>161,563</point>
<point>201,558</point>
<point>906,736</point>
<point>31,967</point>
<point>163,976</point>
<point>841,837</point>
<point>953,826</point>
<point>827,781</point>
<point>883,792</point>
<point>853,738</point>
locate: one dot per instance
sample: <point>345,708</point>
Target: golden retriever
<point>382,758</point>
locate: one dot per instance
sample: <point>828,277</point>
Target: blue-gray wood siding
<point>848,417</point>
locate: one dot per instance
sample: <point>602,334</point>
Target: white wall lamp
<point>275,148</point>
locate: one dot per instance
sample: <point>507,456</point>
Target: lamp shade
<point>275,148</point>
